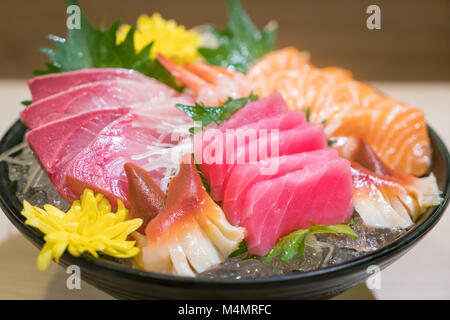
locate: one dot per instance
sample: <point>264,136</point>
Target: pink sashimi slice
<point>306,137</point>
<point>44,86</point>
<point>58,143</point>
<point>136,138</point>
<point>165,107</point>
<point>92,96</point>
<point>243,176</point>
<point>267,107</point>
<point>212,136</point>
<point>271,106</point>
<point>320,193</point>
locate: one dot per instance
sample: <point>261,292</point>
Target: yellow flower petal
<point>89,226</point>
<point>169,38</point>
<point>45,257</point>
<point>53,211</point>
<point>58,249</point>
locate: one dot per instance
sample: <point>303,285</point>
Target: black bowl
<point>124,282</point>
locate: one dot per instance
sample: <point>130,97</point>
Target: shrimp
<point>208,84</point>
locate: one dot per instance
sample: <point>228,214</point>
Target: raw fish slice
<point>324,180</point>
<point>270,106</point>
<point>243,177</point>
<point>320,193</point>
<point>285,59</point>
<point>150,141</point>
<point>396,131</point>
<point>191,234</point>
<point>307,137</point>
<point>92,96</point>
<point>50,84</point>
<point>145,197</point>
<point>272,222</point>
<point>58,143</point>
<point>164,108</point>
<point>250,131</point>
<point>386,198</point>
<point>336,180</point>
<point>380,201</point>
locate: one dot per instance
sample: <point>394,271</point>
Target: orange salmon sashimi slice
<point>191,233</point>
<point>349,107</point>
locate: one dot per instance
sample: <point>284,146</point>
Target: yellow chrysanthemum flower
<point>169,39</point>
<point>89,226</point>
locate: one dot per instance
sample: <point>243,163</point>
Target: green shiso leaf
<point>240,43</point>
<point>89,47</point>
<point>207,115</point>
<point>344,229</point>
<point>293,243</point>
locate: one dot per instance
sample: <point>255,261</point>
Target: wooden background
<point>414,42</point>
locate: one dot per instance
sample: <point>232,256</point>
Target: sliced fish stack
<point>85,125</point>
<point>308,183</point>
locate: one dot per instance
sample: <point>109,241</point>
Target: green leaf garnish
<point>291,245</point>
<point>202,177</point>
<point>26,103</point>
<point>294,242</point>
<point>240,250</point>
<point>344,229</point>
<point>307,114</point>
<point>331,142</point>
<point>218,115</point>
<point>240,44</point>
<point>88,47</point>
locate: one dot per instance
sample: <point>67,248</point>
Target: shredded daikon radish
<point>173,141</point>
<point>5,156</point>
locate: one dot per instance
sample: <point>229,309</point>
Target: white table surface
<point>423,273</point>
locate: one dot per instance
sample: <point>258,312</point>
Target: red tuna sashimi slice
<point>92,96</point>
<point>307,137</point>
<point>58,143</point>
<point>50,84</point>
<point>243,176</point>
<point>270,106</point>
<point>320,193</point>
<point>284,121</point>
<point>135,138</point>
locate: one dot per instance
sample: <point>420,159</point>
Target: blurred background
<point>413,44</point>
<point>409,58</point>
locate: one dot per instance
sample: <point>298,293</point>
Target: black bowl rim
<point>399,245</point>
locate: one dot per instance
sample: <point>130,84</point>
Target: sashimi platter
<point>209,154</point>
